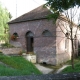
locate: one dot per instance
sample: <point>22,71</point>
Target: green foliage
<point>4,18</point>
<point>2,36</point>
<point>61,5</point>
<point>53,16</point>
<point>19,65</point>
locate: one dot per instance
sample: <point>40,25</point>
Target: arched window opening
<point>16,34</point>
<point>46,33</point>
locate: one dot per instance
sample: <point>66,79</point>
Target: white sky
<point>23,6</point>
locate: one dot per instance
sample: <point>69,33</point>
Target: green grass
<point>76,66</point>
<point>19,65</point>
<point>6,71</point>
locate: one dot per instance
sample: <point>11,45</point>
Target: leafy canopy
<point>60,6</point>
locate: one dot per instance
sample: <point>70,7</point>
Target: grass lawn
<point>18,66</point>
<point>76,65</point>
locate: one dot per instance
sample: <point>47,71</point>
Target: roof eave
<point>27,20</point>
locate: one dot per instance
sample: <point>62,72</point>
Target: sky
<point>19,7</point>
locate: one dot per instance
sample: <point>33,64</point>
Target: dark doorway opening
<point>29,41</point>
<point>29,44</point>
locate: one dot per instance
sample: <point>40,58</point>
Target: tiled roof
<point>37,13</point>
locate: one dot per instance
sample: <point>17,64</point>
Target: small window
<point>15,34</point>
<point>46,33</point>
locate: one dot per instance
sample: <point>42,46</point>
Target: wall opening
<point>16,34</point>
<point>29,41</point>
<point>46,33</point>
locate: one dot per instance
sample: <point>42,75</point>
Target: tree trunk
<point>72,56</point>
<point>72,53</point>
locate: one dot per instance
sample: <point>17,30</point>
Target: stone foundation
<point>10,50</point>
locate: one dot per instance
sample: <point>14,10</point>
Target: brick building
<point>43,37</point>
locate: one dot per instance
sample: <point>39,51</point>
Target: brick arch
<point>29,34</point>
<point>46,33</point>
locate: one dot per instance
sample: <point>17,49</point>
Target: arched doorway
<point>29,41</point>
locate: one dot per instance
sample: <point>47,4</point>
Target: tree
<point>69,8</point>
<point>4,18</point>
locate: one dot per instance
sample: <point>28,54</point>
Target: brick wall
<point>44,47</point>
<point>62,53</point>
